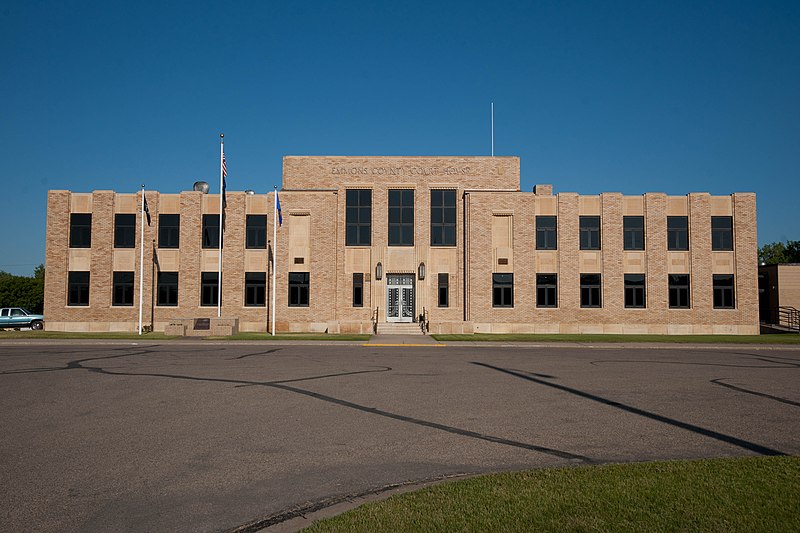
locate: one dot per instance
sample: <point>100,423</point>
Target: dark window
<point>167,289</point>
<point>546,233</point>
<point>444,290</point>
<point>443,217</point>
<point>546,290</point>
<point>78,290</point>
<point>679,291</point>
<point>590,290</point>
<point>80,230</point>
<point>358,289</point>
<point>256,232</point>
<point>502,290</point>
<point>211,231</point>
<point>255,289</point>
<point>590,233</point>
<point>635,290</point>
<point>209,288</point>
<point>169,231</point>
<point>722,233</point>
<point>298,289</point>
<point>123,289</point>
<point>677,233</point>
<point>723,291</point>
<point>358,231</point>
<point>633,233</point>
<point>124,230</point>
<point>401,217</point>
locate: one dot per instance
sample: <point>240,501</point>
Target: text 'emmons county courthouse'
<point>389,238</point>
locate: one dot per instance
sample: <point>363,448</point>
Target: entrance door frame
<point>405,285</point>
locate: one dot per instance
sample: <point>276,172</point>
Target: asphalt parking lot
<point>210,437</point>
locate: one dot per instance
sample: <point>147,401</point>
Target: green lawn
<point>787,338</point>
<point>744,494</point>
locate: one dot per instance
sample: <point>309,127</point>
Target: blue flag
<point>146,209</point>
<point>280,215</point>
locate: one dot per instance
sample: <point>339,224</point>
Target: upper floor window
<point>590,233</point>
<point>358,217</point>
<point>723,291</point>
<point>256,232</point>
<point>169,230</point>
<point>211,232</point>
<point>677,233</point>
<point>443,217</point>
<point>80,230</point>
<point>546,233</point>
<point>633,233</point>
<point>722,233</point>
<point>125,230</point>
<point>401,217</point>
<point>591,290</point>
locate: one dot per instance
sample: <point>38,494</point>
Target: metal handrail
<point>375,322</point>
<point>789,317</point>
<point>424,323</point>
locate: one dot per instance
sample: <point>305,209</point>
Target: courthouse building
<point>368,240</point>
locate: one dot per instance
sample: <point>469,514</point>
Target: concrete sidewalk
<point>403,340</point>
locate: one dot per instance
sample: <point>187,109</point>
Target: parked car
<point>17,317</point>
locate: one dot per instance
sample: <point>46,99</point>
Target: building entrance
<point>399,298</point>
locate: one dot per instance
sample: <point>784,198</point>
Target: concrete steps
<point>399,328</point>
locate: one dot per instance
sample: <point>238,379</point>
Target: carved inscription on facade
<point>404,170</point>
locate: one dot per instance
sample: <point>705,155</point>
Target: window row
<point>635,292</point>
<point>633,233</point>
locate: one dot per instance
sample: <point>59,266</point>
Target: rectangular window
<point>358,217</point>
<point>401,217</point>
<point>546,233</point>
<point>443,217</point>
<point>256,232</point>
<point>209,288</point>
<point>590,233</point>
<point>124,230</point>
<point>723,291</point>
<point>502,290</point>
<point>722,233</point>
<point>444,289</point>
<point>633,233</point>
<point>679,291</point>
<point>358,289</point>
<point>169,231</point>
<point>255,289</point>
<point>635,294</point>
<point>546,290</point>
<point>78,288</point>
<point>298,289</point>
<point>677,233</point>
<point>80,230</point>
<point>123,289</point>
<point>211,231</point>
<point>167,289</point>
<point>590,290</point>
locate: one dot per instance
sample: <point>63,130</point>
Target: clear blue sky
<point>593,96</point>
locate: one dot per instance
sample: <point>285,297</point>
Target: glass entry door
<point>399,298</point>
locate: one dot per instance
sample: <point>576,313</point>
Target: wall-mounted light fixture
<point>378,270</point>
<point>421,271</point>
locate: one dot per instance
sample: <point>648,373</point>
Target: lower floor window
<point>635,290</point>
<point>679,291</point>
<point>167,289</point>
<point>78,288</point>
<point>298,289</point>
<point>255,289</point>
<point>444,290</point>
<point>723,291</point>
<point>502,290</point>
<point>209,288</point>
<point>358,289</point>
<point>590,290</point>
<point>123,289</point>
<point>546,292</point>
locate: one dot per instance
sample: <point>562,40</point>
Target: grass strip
<point>787,338</point>
<point>742,494</point>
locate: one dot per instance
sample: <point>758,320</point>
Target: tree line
<point>23,291</point>
<point>778,252</point>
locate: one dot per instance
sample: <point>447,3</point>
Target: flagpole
<point>141,267</point>
<point>274,252</point>
<point>221,194</point>
<point>492,129</point>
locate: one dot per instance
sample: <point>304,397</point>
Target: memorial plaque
<point>202,323</point>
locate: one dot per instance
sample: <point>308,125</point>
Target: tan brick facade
<point>495,229</point>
